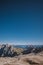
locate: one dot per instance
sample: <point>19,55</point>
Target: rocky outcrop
<point>7,50</point>
<point>38,49</point>
<point>28,50</point>
<point>32,49</point>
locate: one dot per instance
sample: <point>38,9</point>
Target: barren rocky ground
<point>28,59</point>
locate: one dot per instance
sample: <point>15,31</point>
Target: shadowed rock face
<point>7,50</point>
<point>32,49</point>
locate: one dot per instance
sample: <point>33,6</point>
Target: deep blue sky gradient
<point>21,20</point>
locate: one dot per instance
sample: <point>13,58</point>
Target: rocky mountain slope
<point>10,51</point>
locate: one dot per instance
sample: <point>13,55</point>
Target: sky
<point>21,21</point>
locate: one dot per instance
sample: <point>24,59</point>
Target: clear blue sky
<point>21,20</point>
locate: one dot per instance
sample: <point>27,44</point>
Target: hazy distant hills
<point>26,46</point>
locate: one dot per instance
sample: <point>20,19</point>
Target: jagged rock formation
<point>8,50</point>
<point>32,49</point>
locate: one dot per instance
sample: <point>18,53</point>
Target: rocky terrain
<point>29,59</point>
<point>10,51</point>
<point>10,55</point>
